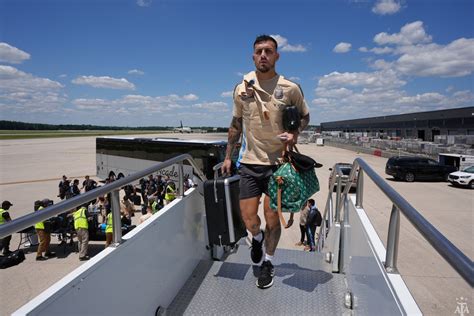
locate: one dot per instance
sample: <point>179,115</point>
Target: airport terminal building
<point>421,125</point>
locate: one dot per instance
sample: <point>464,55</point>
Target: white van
<point>459,161</point>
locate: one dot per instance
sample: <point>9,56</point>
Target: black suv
<point>411,168</point>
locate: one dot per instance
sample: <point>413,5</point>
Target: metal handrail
<point>70,204</point>
<point>457,259</point>
<point>329,208</point>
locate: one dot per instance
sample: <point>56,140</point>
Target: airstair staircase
<point>351,274</point>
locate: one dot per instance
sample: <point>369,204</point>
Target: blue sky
<point>150,62</point>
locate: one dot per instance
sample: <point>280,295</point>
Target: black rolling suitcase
<point>137,200</point>
<point>224,222</point>
<point>16,257</point>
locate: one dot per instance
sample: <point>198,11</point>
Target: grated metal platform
<point>303,285</point>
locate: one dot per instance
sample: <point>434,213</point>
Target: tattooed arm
<point>304,122</point>
<point>292,137</point>
<point>235,130</point>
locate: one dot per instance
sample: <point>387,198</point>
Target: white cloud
<point>381,50</point>
<point>136,72</point>
<point>14,79</point>
<point>377,50</point>
<point>378,79</point>
<point>381,64</point>
<point>212,106</point>
<point>137,103</point>
<point>227,94</point>
<point>333,93</point>
<point>293,48</point>
<point>410,34</point>
<point>284,46</point>
<point>62,76</point>
<point>429,99</point>
<point>144,3</point>
<point>12,55</point>
<point>453,60</point>
<point>342,47</point>
<point>464,96</point>
<point>418,56</point>
<point>23,92</point>
<point>294,78</point>
<point>450,89</point>
<point>190,97</point>
<point>92,104</point>
<point>384,7</point>
<point>104,82</point>
<point>352,95</point>
<point>382,92</point>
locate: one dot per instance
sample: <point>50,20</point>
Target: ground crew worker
<point>109,229</point>
<point>82,229</point>
<point>43,230</point>
<point>5,217</point>
<point>170,192</point>
<point>155,207</point>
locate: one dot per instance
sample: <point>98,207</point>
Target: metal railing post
<point>392,241</point>
<point>346,209</point>
<point>345,223</point>
<point>330,217</point>
<point>360,189</point>
<point>180,180</point>
<point>117,223</point>
<point>338,199</point>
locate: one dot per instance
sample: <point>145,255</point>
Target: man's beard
<point>264,68</point>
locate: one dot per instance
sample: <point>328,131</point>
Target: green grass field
<point>15,134</point>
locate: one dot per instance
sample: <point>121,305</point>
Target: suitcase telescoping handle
<point>216,169</point>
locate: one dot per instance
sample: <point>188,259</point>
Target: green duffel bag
<point>290,189</point>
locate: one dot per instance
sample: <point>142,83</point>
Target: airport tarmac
<point>31,169</point>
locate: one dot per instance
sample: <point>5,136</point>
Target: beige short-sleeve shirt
<point>260,105</point>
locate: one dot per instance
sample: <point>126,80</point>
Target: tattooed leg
<point>248,210</point>
<point>272,229</point>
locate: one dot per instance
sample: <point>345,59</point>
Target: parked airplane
<point>182,129</point>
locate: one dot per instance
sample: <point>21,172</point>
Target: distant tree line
<point>13,125</point>
<point>22,126</point>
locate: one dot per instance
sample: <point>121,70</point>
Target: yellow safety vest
<point>2,220</point>
<point>40,225</point>
<point>154,207</point>
<point>109,228</point>
<point>169,195</point>
<point>80,219</point>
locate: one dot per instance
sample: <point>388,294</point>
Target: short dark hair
<point>264,38</point>
<point>6,205</point>
<point>311,202</point>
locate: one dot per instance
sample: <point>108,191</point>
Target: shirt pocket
<point>275,107</point>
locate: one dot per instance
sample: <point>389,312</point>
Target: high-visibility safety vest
<point>80,219</point>
<point>170,193</point>
<point>2,220</point>
<point>109,228</point>
<point>40,225</point>
<point>154,207</point>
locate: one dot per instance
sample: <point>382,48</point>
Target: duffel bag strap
<point>280,214</point>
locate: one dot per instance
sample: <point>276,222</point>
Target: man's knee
<point>271,217</point>
<point>249,210</point>
<point>249,207</point>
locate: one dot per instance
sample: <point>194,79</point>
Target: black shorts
<point>254,180</point>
